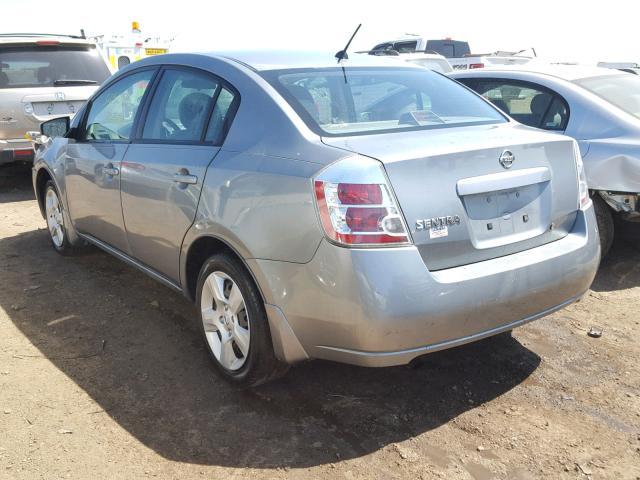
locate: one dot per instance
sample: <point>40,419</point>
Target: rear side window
<point>369,100</point>
<point>448,48</point>
<point>220,116</point>
<point>46,66</point>
<point>112,113</point>
<point>181,106</point>
<point>527,103</point>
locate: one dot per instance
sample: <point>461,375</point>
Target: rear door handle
<point>185,178</point>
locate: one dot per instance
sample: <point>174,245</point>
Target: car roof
<point>34,38</point>
<point>562,71</point>
<point>261,60</point>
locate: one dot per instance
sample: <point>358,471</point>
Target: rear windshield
<point>365,101</point>
<point>27,67</point>
<point>621,90</point>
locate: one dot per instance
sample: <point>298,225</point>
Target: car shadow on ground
<point>15,183</point>
<point>620,269</point>
<point>132,345</point>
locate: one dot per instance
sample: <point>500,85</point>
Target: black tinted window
<point>180,106</point>
<point>28,67</point>
<point>527,103</point>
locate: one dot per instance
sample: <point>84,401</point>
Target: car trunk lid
<point>462,205</point>
<point>24,109</point>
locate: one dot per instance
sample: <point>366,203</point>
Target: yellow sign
<point>155,51</point>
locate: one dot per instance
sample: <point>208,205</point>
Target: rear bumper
<point>382,307</point>
<point>16,150</point>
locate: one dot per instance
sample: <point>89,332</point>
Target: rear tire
<point>605,222</point>
<point>234,323</point>
<point>54,215</point>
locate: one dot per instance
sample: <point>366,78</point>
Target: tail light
<point>583,187</point>
<point>476,65</point>
<point>356,204</point>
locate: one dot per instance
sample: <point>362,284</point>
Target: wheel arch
<point>198,251</point>
<point>43,175</point>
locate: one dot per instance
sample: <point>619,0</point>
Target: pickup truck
<point>457,52</point>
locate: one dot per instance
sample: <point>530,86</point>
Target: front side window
<point>527,103</point>
<point>365,100</point>
<point>623,91</point>
<point>113,111</point>
<point>51,66</point>
<point>181,106</point>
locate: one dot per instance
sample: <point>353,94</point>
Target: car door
<point>164,168</point>
<point>526,102</point>
<point>93,159</point>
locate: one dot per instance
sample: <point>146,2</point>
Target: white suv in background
<point>42,77</point>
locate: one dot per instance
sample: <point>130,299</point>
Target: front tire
<point>54,215</point>
<point>234,323</point>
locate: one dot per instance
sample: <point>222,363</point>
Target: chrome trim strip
<point>503,180</point>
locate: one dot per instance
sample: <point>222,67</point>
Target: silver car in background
<point>42,77</point>
<point>598,107</point>
<point>367,211</point>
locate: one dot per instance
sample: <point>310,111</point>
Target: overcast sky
<point>560,30</point>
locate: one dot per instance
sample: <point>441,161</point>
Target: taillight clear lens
<point>583,188</point>
<point>356,205</point>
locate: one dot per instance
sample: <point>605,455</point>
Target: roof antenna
<point>342,54</point>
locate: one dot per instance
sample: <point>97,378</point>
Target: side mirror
<point>56,127</point>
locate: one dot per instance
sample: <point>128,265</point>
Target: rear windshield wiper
<point>62,82</point>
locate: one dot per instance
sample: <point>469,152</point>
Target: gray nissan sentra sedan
<point>366,211</point>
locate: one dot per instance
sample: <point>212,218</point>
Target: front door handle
<point>110,170</point>
<point>185,178</point>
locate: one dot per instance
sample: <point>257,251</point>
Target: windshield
<point>621,90</point>
<point>28,67</point>
<point>372,100</point>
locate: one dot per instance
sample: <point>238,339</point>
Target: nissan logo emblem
<point>506,159</point>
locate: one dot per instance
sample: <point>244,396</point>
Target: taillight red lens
<point>476,65</point>
<point>365,219</point>
<point>359,194</point>
<point>23,153</point>
<point>359,214</point>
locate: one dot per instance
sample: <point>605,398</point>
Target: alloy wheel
<point>225,320</point>
<point>55,220</point>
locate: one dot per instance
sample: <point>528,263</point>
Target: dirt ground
<point>103,375</point>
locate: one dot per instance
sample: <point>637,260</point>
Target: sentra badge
<point>437,222</point>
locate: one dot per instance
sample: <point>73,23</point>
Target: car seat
<point>539,105</point>
<point>192,111</point>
